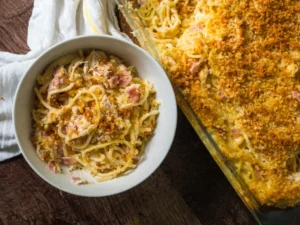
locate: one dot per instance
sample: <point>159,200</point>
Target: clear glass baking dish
<point>263,215</point>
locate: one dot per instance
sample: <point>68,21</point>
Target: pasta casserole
<point>237,64</point>
<point>92,112</point>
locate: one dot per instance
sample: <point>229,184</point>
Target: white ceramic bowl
<point>147,68</point>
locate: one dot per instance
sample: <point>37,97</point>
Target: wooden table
<point>188,188</point>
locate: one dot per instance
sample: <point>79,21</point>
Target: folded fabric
<point>51,22</point>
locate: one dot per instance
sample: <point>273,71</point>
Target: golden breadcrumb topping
<point>237,63</point>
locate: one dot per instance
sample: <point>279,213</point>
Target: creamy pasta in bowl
<point>95,115</point>
<point>92,112</point>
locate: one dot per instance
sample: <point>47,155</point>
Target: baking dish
<point>263,215</point>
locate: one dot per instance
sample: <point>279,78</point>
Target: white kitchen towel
<point>52,21</point>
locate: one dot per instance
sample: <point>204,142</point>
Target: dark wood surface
<point>188,188</point>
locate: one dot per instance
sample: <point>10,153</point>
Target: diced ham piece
<point>195,28</point>
<point>67,161</point>
<point>79,181</point>
<point>76,179</point>
<point>133,93</point>
<point>51,166</point>
<point>236,132</point>
<point>296,95</point>
<point>57,80</point>
<point>124,76</point>
<point>54,84</point>
<point>113,81</point>
<point>195,68</point>
<point>135,158</point>
<point>125,80</point>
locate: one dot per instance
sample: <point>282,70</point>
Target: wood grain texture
<point>14,16</point>
<point>188,188</point>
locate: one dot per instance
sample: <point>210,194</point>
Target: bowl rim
<point>52,48</point>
